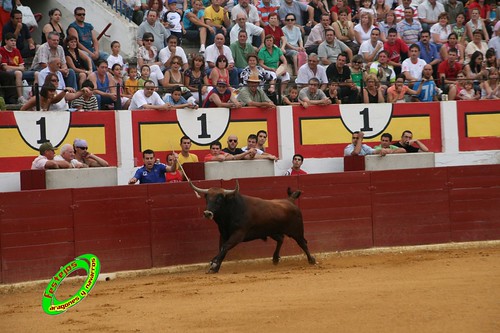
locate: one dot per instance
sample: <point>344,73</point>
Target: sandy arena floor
<point>452,288</point>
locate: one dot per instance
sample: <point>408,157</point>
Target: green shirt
<point>240,54</point>
<point>271,60</point>
<point>246,96</point>
<point>379,147</point>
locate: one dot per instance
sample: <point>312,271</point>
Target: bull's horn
<point>235,191</point>
<point>197,189</point>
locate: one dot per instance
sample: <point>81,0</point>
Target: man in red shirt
<point>216,153</point>
<point>295,170</point>
<point>396,47</point>
<point>449,68</point>
<point>448,71</point>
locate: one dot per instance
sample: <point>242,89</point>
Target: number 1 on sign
<point>366,121</point>
<point>43,130</point>
<point>203,119</point>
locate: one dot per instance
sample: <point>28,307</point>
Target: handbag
<point>28,17</point>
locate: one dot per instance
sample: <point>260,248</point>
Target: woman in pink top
<point>396,93</point>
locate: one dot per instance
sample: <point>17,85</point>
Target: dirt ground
<point>451,288</point>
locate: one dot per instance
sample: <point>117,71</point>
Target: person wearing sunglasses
<point>232,148</point>
<point>87,36</point>
<point>83,155</point>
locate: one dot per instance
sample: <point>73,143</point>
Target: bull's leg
<point>303,245</point>
<point>279,242</point>
<point>233,240</point>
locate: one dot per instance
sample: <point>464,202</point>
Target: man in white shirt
<point>172,49</point>
<point>216,49</point>
<point>67,153</point>
<point>252,30</point>
<point>312,70</point>
<point>428,13</point>
<point>413,66</point>
<point>148,98</point>
<point>370,49</point>
<point>250,11</point>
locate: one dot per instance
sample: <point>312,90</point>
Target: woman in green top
<point>358,73</point>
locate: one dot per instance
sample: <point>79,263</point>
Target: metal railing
<point>121,8</point>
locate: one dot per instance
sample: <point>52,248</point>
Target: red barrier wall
<point>144,226</point>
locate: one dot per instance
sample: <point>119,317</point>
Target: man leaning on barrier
<point>253,95</point>
<point>408,143</point>
<point>83,155</point>
<point>46,159</point>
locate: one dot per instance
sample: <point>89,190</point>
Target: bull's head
<point>215,197</point>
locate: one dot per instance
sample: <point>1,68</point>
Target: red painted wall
<point>144,226</point>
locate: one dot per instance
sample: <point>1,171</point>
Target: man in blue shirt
<point>151,172</point>
<point>429,51</point>
<point>87,36</point>
<point>429,91</point>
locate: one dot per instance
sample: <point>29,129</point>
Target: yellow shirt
<point>216,17</point>
<point>182,159</point>
<point>131,86</point>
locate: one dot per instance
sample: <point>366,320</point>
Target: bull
<point>242,218</point>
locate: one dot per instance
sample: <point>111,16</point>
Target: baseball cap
<point>80,143</point>
<point>46,146</point>
<point>222,82</point>
<point>172,1</point>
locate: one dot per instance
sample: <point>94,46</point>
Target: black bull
<point>242,218</point>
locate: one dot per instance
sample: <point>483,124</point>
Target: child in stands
<point>293,96</point>
<point>145,72</point>
<point>86,102</point>
<point>132,83</point>
<point>173,20</point>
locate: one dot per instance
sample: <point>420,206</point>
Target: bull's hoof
<point>214,268</point>
<point>276,260</point>
<point>312,261</point>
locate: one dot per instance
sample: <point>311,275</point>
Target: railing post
<point>277,90</point>
<point>200,98</point>
<point>118,102</point>
<point>37,97</point>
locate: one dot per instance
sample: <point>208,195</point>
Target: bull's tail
<point>292,196</point>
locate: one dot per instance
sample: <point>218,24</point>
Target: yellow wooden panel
<point>480,125</point>
<point>16,145</point>
<point>95,137</point>
<point>333,131</point>
<point>323,131</point>
<point>419,126</point>
<point>165,137</point>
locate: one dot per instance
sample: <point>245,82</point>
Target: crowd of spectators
<point>358,52</point>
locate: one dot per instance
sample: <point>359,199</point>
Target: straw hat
<point>253,78</point>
